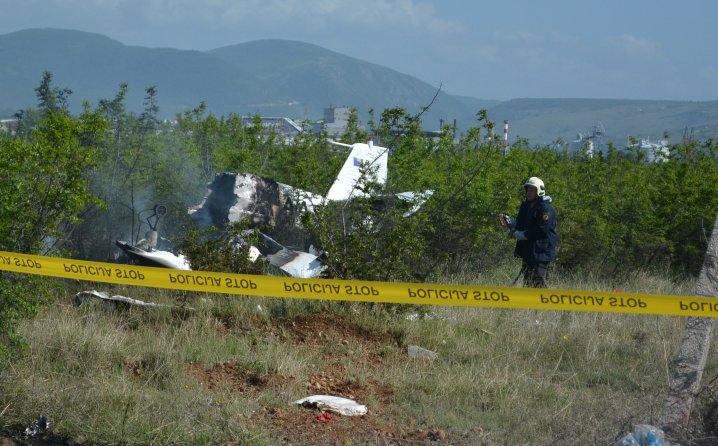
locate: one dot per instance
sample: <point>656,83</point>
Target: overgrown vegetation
<point>71,185</point>
<point>44,190</point>
<point>227,370</point>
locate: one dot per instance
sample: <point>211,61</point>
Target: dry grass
<point>502,377</point>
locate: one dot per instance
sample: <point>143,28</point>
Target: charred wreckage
<point>236,197</point>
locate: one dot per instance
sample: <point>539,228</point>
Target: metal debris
<point>419,352</point>
<point>336,404</point>
<point>110,303</point>
<point>38,427</point>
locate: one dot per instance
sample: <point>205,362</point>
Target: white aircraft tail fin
<point>363,155</point>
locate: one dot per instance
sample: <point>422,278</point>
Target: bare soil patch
<point>299,426</point>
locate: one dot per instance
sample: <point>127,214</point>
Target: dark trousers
<point>535,274</point>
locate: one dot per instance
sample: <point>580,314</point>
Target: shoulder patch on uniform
<point>546,216</point>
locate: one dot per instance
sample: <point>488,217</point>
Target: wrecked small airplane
<point>145,253</point>
<point>233,197</point>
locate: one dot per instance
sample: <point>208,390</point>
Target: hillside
<point>316,78</point>
<point>265,77</point>
<point>299,80</point>
<point>93,66</point>
<point>546,120</point>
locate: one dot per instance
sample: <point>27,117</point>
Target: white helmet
<point>538,184</point>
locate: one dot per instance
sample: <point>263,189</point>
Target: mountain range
<point>299,80</point>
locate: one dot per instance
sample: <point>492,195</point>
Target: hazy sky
<point>627,49</point>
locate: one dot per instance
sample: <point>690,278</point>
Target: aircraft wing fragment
<point>295,263</point>
<point>164,259</point>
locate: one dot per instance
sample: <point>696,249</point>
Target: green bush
<point>43,178</point>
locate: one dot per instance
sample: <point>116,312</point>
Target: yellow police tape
<point>362,291</point>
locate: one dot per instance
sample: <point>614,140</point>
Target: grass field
<point>227,369</point>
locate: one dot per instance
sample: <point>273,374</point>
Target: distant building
<point>581,144</point>
<point>335,122</point>
<point>281,126</point>
<point>431,134</point>
<point>8,125</point>
<point>589,143</point>
<point>653,152</point>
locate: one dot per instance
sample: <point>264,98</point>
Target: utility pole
<point>686,380</point>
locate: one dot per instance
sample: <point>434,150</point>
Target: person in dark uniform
<point>535,232</point>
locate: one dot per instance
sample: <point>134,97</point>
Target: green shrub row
<point>74,184</point>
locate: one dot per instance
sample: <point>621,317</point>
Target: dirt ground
<point>299,426</point>
<point>307,426</point>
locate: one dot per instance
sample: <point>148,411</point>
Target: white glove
<point>520,235</point>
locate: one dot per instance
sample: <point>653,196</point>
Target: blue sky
<point>627,49</point>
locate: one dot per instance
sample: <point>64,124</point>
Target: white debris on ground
<point>419,352</point>
<point>336,404</point>
<point>110,302</point>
